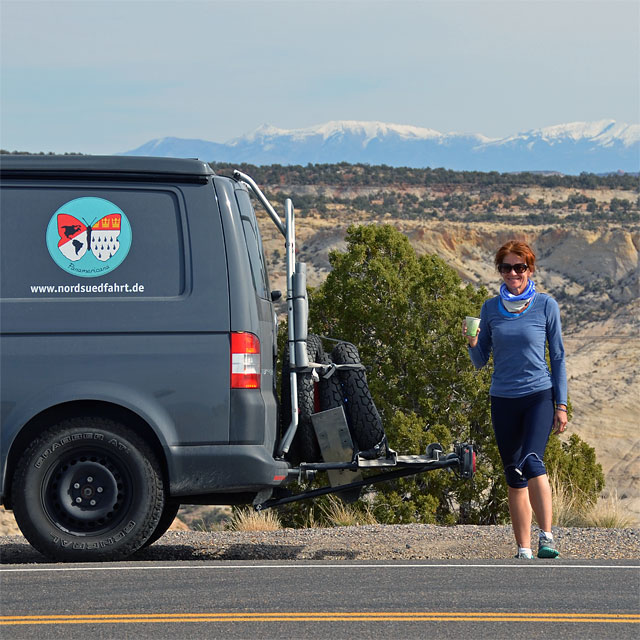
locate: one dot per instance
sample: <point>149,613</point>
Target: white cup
<point>473,325</point>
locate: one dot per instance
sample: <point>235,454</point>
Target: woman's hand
<point>473,340</point>
<point>560,421</point>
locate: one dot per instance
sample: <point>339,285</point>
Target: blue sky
<point>106,76</point>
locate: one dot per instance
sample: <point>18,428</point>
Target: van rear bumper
<point>223,468</point>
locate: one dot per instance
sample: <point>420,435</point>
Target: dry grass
<point>310,521</point>
<point>248,519</point>
<point>569,509</point>
<point>338,514</point>
<point>566,505</point>
<point>608,513</point>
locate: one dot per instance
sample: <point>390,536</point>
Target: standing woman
<point>527,400</point>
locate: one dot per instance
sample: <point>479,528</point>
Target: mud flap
<point>336,445</point>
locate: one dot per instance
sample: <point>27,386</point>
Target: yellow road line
<point>333,616</point>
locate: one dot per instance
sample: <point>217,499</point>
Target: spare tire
<point>304,447</point>
<point>331,395</point>
<point>365,423</point>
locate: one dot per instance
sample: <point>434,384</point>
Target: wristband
<point>561,409</point>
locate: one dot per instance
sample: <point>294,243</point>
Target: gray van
<point>138,352</point>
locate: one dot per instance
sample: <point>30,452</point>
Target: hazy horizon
<point>104,76</point>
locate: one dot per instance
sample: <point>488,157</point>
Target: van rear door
<point>251,311</point>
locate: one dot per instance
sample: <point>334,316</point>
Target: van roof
<point>104,166</point>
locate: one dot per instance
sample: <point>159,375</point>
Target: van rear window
<point>254,243</point>
<point>85,242</point>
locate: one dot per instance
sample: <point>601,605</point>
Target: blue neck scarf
<point>516,303</point>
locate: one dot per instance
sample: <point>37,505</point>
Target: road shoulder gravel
<point>369,542</point>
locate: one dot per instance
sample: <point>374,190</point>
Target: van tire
<point>304,447</point>
<point>78,462</point>
<point>169,514</point>
<point>365,423</point>
<point>331,395</point>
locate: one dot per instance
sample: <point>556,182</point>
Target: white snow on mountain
<point>602,132</point>
<point>363,129</point>
<point>262,132</point>
<point>599,146</point>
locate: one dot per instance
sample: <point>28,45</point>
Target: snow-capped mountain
<point>598,147</point>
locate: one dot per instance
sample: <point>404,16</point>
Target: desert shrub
<point>574,467</point>
<point>404,314</point>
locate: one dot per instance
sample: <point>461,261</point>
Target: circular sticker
<point>89,237</point>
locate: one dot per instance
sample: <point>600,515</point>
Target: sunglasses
<point>505,268</point>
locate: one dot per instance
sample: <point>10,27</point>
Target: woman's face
<point>516,282</point>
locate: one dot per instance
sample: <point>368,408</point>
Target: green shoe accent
<point>547,552</point>
<point>547,547</point>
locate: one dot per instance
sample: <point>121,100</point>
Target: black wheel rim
<point>87,492</point>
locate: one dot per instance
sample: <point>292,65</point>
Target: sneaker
<point>521,555</point>
<point>547,548</point>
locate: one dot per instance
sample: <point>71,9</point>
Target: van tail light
<point>245,361</point>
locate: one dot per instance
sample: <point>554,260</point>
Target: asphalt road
<point>541,599</point>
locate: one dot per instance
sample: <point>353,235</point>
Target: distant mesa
<point>596,147</point>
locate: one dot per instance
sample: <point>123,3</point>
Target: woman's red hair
<point>521,249</point>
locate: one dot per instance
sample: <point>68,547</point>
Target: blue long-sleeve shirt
<point>518,344</point>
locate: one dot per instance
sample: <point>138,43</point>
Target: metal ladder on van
<point>297,303</point>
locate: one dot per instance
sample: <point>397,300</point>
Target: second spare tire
<point>365,423</point>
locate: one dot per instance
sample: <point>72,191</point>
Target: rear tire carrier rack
<point>462,459</point>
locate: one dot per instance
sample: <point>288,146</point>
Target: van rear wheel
<point>88,489</point>
<point>169,514</point>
